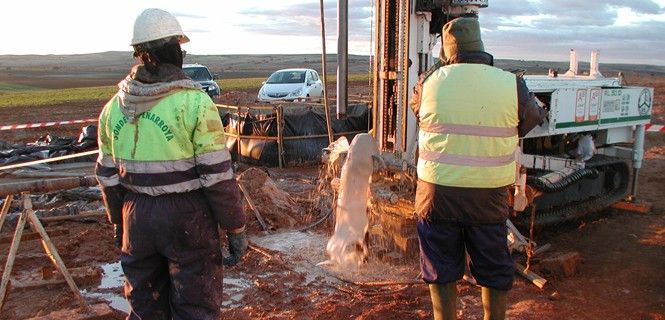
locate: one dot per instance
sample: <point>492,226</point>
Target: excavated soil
<point>620,277</point>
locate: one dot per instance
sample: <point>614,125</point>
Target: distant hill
<point>108,68</point>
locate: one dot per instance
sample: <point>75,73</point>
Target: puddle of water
<point>115,301</point>
<point>112,276</point>
<point>237,282</point>
<point>287,242</point>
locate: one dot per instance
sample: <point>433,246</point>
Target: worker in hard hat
<point>470,116</point>
<point>167,181</point>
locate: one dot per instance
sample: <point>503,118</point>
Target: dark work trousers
<point>171,257</point>
<point>442,255</point>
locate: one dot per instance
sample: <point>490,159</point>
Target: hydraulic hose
<point>545,185</point>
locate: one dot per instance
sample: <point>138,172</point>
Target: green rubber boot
<point>444,300</point>
<point>494,303</point>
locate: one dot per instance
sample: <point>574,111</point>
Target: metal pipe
<point>638,156</point>
<point>325,75</point>
<point>405,30</point>
<point>572,69</point>
<point>47,160</point>
<point>594,71</point>
<point>46,185</point>
<point>342,57</point>
<point>238,136</point>
<point>323,135</point>
<point>375,72</point>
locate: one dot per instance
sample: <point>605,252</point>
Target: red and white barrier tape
<point>44,124</point>
<point>655,128</point>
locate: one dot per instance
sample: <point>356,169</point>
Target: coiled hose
<point>545,185</point>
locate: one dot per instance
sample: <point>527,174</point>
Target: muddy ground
<point>621,275</point>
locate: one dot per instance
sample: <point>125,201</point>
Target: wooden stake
<point>537,280</point>
<point>5,209</point>
<point>253,207</point>
<point>9,265</point>
<point>280,135</point>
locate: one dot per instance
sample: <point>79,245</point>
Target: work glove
<point>238,245</point>
<point>117,236</point>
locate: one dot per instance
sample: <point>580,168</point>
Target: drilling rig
<point>589,108</point>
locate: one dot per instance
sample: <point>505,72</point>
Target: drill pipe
<point>46,185</point>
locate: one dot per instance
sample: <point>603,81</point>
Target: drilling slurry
<point>347,245</point>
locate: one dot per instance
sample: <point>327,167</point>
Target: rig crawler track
<point>603,182</point>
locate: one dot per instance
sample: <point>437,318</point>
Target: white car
<point>291,84</point>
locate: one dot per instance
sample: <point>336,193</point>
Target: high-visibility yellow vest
<point>468,127</point>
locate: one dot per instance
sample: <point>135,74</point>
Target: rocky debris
<point>275,205</point>
<point>561,264</point>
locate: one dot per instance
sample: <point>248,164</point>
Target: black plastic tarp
<point>300,123</point>
<point>49,146</point>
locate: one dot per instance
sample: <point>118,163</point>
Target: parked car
<point>202,75</point>
<point>291,84</point>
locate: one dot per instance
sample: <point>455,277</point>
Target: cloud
<point>196,31</point>
<point>304,19</point>
<point>188,15</point>
<point>528,29</point>
<point>547,29</point>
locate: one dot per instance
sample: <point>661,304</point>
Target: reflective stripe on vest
<point>463,160</point>
<point>471,130</point>
<point>468,127</point>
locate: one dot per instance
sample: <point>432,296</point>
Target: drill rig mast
<point>405,35</point>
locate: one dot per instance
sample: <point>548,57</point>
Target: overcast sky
<point>623,30</point>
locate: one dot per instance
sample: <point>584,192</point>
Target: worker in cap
<point>167,181</point>
<point>470,117</point>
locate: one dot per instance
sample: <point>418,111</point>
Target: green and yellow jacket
<point>162,138</point>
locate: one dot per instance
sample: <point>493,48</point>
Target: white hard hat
<point>154,24</point>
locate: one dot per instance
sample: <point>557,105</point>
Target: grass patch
<point>4,86</point>
<point>55,96</point>
<point>240,84</point>
<point>39,97</point>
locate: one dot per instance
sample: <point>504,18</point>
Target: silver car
<point>292,84</point>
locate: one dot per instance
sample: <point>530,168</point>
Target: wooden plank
<point>46,174</point>
<point>537,280</point>
<point>87,275</point>
<point>82,215</point>
<point>637,207</point>
<point>50,249</point>
<point>561,263</point>
<point>34,235</point>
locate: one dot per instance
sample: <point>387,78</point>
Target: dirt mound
<point>276,206</point>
